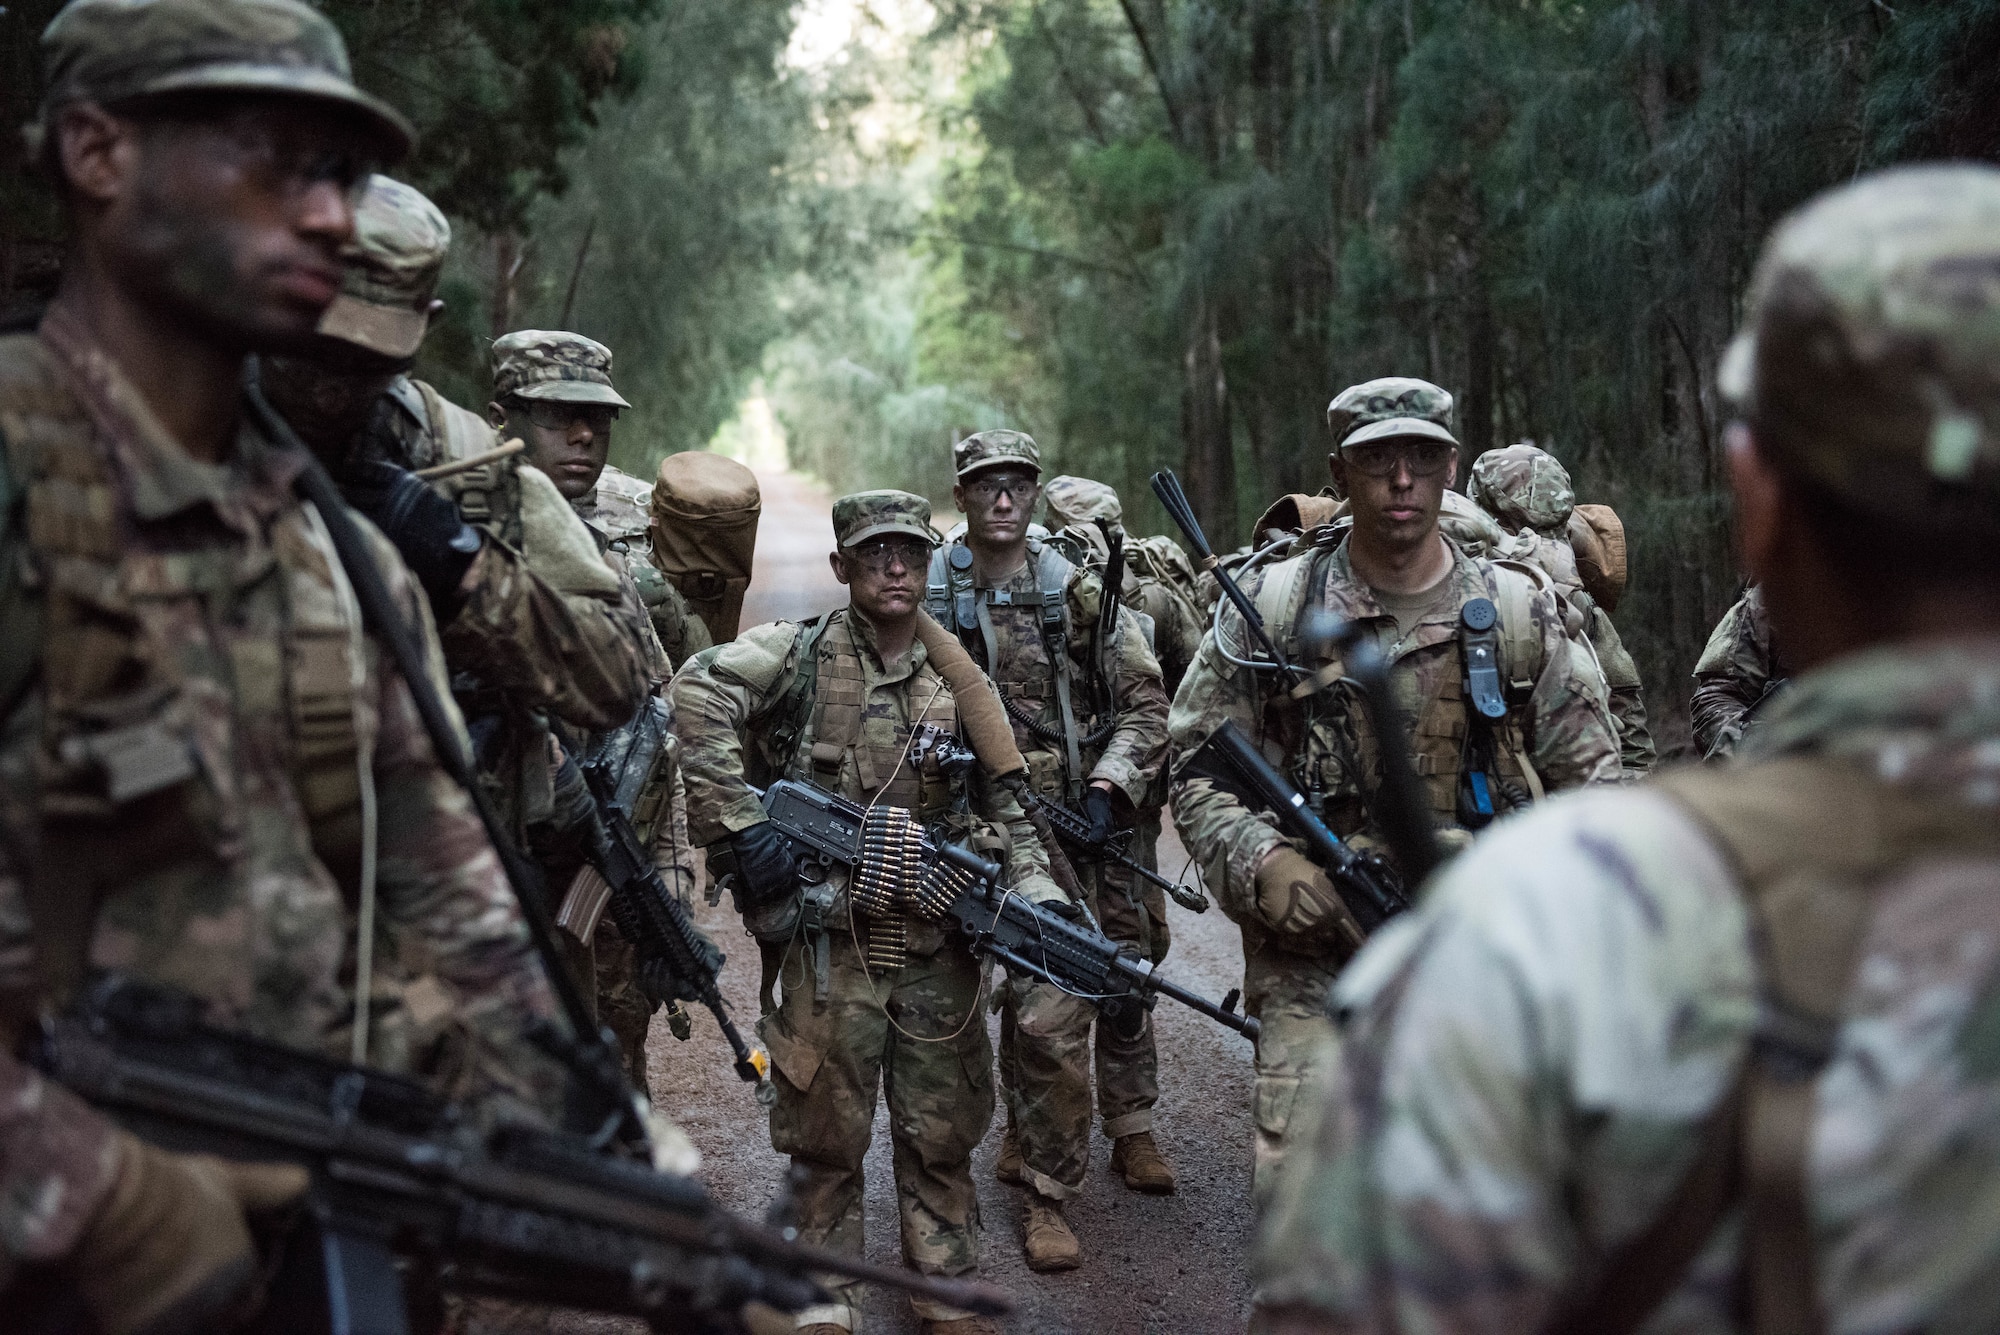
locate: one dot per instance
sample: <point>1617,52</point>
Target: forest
<point>1149,232</point>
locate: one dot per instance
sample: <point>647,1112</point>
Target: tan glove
<point>1299,906</point>
<point>168,1252</point>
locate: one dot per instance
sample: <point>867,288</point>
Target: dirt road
<point>1151,1264</point>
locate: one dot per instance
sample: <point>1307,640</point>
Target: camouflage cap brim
<point>395,130</point>
<point>1398,426</point>
<point>908,527</point>
<point>390,331</point>
<point>572,391</point>
<point>1000,461</point>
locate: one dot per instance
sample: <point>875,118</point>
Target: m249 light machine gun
<point>409,1202</point>
<point>946,883</point>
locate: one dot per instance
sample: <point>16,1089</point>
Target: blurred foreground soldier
<point>205,752</point>
<point>1090,716</point>
<point>1717,1053</point>
<point>1737,674</point>
<point>1429,607</point>
<point>1528,491</point>
<point>836,701</point>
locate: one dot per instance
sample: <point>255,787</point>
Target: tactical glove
<point>765,866</point>
<point>1097,806</point>
<point>1299,906</point>
<point>436,543</point>
<point>168,1252</point>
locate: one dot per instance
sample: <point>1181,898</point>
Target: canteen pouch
<point>705,510</point>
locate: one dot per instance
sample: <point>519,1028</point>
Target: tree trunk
<point>1210,461</point>
<point>506,268</point>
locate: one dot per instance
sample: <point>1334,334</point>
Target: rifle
<point>677,961</point>
<point>1072,827</point>
<point>1366,885</point>
<point>964,889</point>
<point>408,1201</point>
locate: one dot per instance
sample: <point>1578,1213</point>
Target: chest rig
<point>1027,682</point>
<point>432,430</point>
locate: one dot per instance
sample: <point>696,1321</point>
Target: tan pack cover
<point>1597,535</point>
<point>1297,512</point>
<point>705,512</point>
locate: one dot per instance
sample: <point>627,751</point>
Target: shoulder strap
<point>797,700</point>
<point>1517,583</point>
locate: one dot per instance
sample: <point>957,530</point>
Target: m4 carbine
<point>963,889</point>
<point>408,1202</point>
<point>1073,828</point>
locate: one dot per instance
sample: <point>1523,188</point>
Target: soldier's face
<point>997,505</point>
<point>327,396</point>
<point>568,441</point>
<point>1396,488</point>
<point>884,576</point>
<point>226,214</point>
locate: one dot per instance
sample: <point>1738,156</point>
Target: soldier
<point>1739,670</point>
<point>836,701</point>
<point>1759,997</point>
<point>1397,578</point>
<point>1159,577</point>
<point>205,750</point>
<point>1091,719</point>
<point>1527,490</point>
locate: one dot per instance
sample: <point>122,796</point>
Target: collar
<point>862,632</point>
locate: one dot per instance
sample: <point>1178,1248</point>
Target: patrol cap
<point>870,514</point>
<point>551,364</point>
<point>111,51</point>
<point>1392,406</point>
<point>1078,500</point>
<point>990,449</point>
<point>1523,485</point>
<point>1869,360</point>
<point>391,270</point>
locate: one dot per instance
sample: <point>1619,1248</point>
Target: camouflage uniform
<point>619,511</point>
<point>1528,491</point>
<point>834,1038</point>
<point>1045,1032</point>
<point>1738,669</point>
<point>192,708</point>
<point>1556,735</point>
<point>1531,1062</point>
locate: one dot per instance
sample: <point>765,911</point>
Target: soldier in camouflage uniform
<point>204,749</point>
<point>1398,578</point>
<point>1738,671</point>
<point>1090,718</point>
<point>1159,577</point>
<point>1527,490</point>
<point>835,701</point>
<point>1717,1053</point>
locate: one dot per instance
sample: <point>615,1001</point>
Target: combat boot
<point>1008,1166</point>
<point>965,1325</point>
<point>1046,1238</point>
<point>1145,1169</point>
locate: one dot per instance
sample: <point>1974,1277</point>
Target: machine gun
<point>957,886</point>
<point>409,1202</point>
<point>677,961</point>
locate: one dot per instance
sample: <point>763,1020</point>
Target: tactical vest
<point>1039,679</point>
<point>1822,850</point>
<point>137,759</point>
<point>488,496</point>
<point>1339,763</point>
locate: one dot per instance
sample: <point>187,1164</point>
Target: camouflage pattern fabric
<point>389,271</point>
<point>829,1058</point>
<point>990,448</point>
<point>1738,670</point>
<point>1327,746</point>
<point>1392,406</point>
<point>872,514</point>
<point>113,50</point>
<point>1128,1068</point>
<point>1522,487</point>
<point>1080,500</point>
<point>1507,1104</point>
<point>193,772</point>
<point>552,364</point>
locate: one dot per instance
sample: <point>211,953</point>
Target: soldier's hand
<point>169,1252</point>
<point>764,864</point>
<point>1297,902</point>
<point>1103,820</point>
<point>435,541</point>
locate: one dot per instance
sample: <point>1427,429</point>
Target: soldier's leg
<point>621,1004</point>
<point>1128,1064</point>
<point>1007,1165</point>
<point>940,1103</point>
<point>1287,993</point>
<point>1051,1065</point>
<point>826,1059</point>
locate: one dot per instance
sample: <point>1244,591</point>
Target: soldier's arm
<point>1575,740</point>
<point>1137,746</point>
<point>714,697</point>
<point>1730,677</point>
<point>442,888</point>
<point>1636,753</point>
<point>1226,837</point>
<point>1027,862</point>
<point>1488,1077</point>
<point>552,623</point>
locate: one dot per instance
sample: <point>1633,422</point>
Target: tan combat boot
<point>1046,1237</point>
<point>1145,1169</point>
<point>1008,1166</point>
